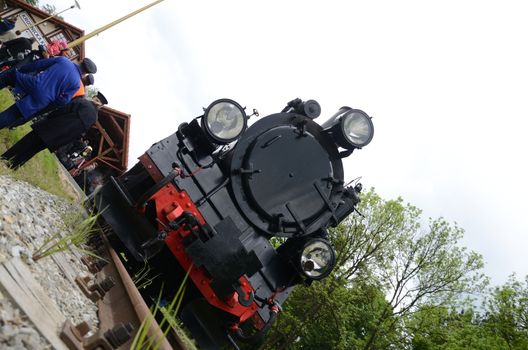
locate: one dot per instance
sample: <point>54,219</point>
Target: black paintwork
<point>284,177</point>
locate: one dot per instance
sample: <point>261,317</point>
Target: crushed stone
<point>28,216</point>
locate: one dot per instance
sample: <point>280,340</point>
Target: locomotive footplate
<point>116,209</point>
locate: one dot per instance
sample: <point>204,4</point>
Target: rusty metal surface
<point>136,304</point>
<point>151,168</point>
<point>95,290</point>
<point>75,336</point>
<point>115,307</point>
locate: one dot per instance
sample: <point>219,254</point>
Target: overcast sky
<point>446,83</point>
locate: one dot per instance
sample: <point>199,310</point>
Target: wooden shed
<point>52,29</point>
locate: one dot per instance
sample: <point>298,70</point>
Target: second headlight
<point>350,128</point>
<point>224,121</point>
<point>317,259</point>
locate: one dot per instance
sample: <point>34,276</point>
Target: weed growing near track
<point>141,278</point>
<point>168,322</point>
<point>79,229</point>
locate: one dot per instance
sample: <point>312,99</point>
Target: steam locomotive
<point>242,211</point>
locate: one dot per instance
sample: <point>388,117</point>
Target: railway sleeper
<point>94,290</point>
<point>93,264</point>
<point>75,336</point>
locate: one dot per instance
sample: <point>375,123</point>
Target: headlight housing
<point>224,121</point>
<point>350,128</point>
<point>317,259</point>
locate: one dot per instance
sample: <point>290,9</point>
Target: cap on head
<point>101,98</point>
<point>88,79</point>
<point>88,66</point>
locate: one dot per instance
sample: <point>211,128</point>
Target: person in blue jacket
<point>42,83</point>
<point>61,127</point>
<point>7,24</point>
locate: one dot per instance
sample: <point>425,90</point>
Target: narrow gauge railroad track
<point>121,310</point>
<point>122,304</point>
<point>120,307</point>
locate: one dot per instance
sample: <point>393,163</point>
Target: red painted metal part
<point>170,204</point>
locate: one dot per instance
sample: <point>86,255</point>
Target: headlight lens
<point>317,259</point>
<point>350,128</point>
<point>224,121</point>
<point>357,128</point>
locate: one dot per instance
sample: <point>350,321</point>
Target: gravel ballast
<point>28,216</point>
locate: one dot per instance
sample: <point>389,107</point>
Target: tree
<point>358,241</point>
<point>440,327</point>
<point>385,250</point>
<point>342,320</point>
<point>50,9</point>
<point>507,312</point>
<point>91,91</point>
<point>502,322</point>
<point>426,267</point>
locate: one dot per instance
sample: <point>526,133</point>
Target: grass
<point>41,171</point>
<point>141,340</point>
<point>175,324</point>
<point>142,278</point>
<point>168,322</point>
<point>79,229</point>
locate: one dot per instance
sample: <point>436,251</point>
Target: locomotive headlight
<point>224,121</point>
<point>350,128</point>
<point>358,128</point>
<point>317,259</point>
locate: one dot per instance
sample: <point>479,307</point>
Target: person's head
<point>88,66</point>
<point>42,51</point>
<point>88,79</point>
<point>55,46</point>
<point>99,100</point>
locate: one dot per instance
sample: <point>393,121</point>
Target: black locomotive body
<point>209,199</point>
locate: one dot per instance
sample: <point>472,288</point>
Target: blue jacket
<point>50,81</point>
<point>6,25</point>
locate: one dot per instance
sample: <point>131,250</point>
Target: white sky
<point>446,83</point>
